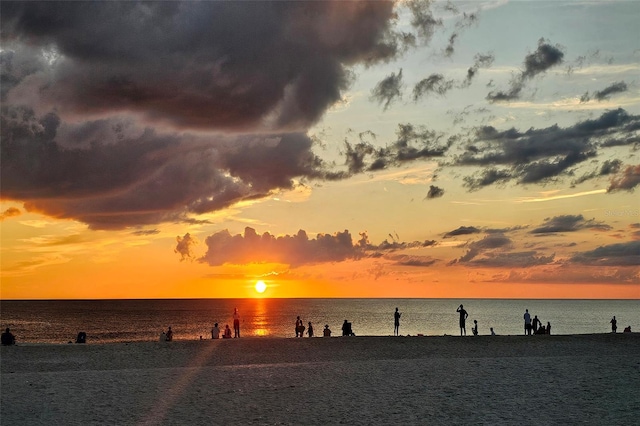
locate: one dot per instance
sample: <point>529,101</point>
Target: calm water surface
<point>139,320</point>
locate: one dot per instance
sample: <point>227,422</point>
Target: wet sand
<point>587,379</point>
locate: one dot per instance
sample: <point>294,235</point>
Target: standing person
<point>536,324</point>
<point>527,322</point>
<point>236,322</point>
<point>396,323</point>
<point>7,338</point>
<point>475,327</point>
<point>215,332</point>
<point>310,330</point>
<point>463,317</point>
<point>548,327</point>
<point>299,328</point>
<point>169,335</point>
<point>614,324</point>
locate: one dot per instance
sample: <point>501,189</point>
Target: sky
<point>409,149</point>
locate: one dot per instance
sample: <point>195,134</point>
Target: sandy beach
<point>587,379</point>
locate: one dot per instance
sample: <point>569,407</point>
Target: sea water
<point>59,321</point>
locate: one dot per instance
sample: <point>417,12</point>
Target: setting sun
<point>261,286</point>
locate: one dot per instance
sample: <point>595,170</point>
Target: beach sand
<point>545,380</point>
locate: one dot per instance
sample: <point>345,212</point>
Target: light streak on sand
<point>559,197</point>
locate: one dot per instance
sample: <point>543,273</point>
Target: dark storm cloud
<point>10,212</point>
<point>463,230</point>
<point>488,243</point>
<point>138,176</point>
<point>199,64</point>
<point>434,192</point>
<point>435,83</point>
<point>269,71</point>
<point>538,62</point>
<point>569,223</point>
<point>623,254</point>
<point>605,93</point>
<point>539,155</point>
<point>628,179</point>
<point>412,143</point>
<point>608,167</point>
<point>388,90</point>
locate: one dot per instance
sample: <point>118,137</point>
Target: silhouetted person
<point>627,329</point>
<point>346,329</point>
<point>299,328</point>
<point>536,324</point>
<point>493,333</point>
<point>310,330</point>
<point>527,322</point>
<point>475,327</point>
<point>7,338</point>
<point>215,331</point>
<point>548,327</point>
<point>326,332</point>
<point>236,322</point>
<point>463,318</point>
<point>82,337</point>
<point>227,332</point>
<point>396,323</point>
<point>614,324</point>
<point>169,335</point>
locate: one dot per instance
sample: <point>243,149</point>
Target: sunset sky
<point>480,149</point>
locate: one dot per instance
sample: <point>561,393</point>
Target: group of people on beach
<point>534,326</point>
<point>215,331</point>
<point>614,326</point>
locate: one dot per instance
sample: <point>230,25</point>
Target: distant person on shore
<point>82,337</point>
<point>7,338</point>
<point>346,329</point>
<point>227,332</point>
<point>169,335</point>
<point>463,318</point>
<point>548,327</point>
<point>299,328</point>
<point>215,331</point>
<point>541,330</point>
<point>627,329</point>
<point>310,330</point>
<point>326,332</point>
<point>475,327</point>
<point>614,324</point>
<point>536,324</point>
<point>163,336</point>
<point>396,323</point>
<point>527,323</point>
<point>493,333</point>
<point>236,322</point>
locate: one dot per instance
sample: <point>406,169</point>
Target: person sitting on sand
<point>327,331</point>
<point>310,330</point>
<point>346,329</point>
<point>227,332</point>
<point>474,329</point>
<point>7,338</point>
<point>627,329</point>
<point>493,333</point>
<point>541,330</point>
<point>215,331</point>
<point>614,324</point>
<point>163,336</point>
<point>169,335</point>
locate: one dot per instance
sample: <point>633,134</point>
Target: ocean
<point>59,321</point>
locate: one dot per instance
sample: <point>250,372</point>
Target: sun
<point>261,286</point>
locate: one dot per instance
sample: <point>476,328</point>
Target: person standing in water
<point>396,323</point>
<point>463,318</point>
<point>236,322</point>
